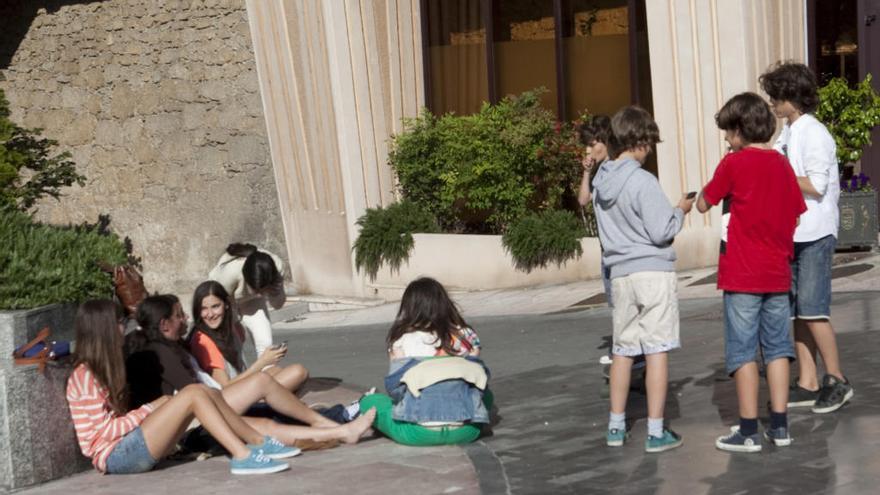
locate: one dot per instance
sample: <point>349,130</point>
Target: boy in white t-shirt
<point>813,156</point>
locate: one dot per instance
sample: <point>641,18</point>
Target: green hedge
<point>43,264</point>
<point>478,173</point>
<point>850,115</point>
<point>386,235</point>
<point>538,239</point>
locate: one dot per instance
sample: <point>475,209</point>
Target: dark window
<point>455,56</point>
<point>589,54</point>
<point>837,48</point>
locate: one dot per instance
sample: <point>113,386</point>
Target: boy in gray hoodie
<point>636,227</point>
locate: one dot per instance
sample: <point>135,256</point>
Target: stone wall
<point>159,104</point>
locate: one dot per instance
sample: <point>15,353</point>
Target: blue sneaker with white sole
<point>273,449</point>
<point>667,441</point>
<point>256,463</point>
<point>778,436</point>
<point>737,442</point>
<point>616,437</point>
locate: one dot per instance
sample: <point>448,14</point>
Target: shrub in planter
<point>480,172</point>
<point>28,168</point>
<point>43,264</point>
<point>537,239</point>
<point>386,235</point>
<point>850,115</point>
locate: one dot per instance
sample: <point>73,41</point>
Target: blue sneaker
<point>668,441</point>
<point>615,437</point>
<point>273,449</point>
<point>778,436</point>
<point>737,442</point>
<point>256,463</point>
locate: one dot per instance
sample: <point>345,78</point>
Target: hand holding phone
<point>280,345</point>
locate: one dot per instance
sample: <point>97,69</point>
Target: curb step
<point>316,303</point>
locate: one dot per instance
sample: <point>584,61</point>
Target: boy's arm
<point>662,221</point>
<point>702,205</point>
<point>716,189</point>
<point>819,162</point>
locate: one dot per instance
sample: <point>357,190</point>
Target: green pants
<point>414,434</point>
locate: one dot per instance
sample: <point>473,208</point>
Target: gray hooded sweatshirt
<point>636,222</point>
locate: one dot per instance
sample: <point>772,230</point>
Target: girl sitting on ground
<point>122,441</point>
<point>436,382</point>
<point>217,340</point>
<point>163,323</point>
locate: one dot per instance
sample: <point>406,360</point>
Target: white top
<point>228,273</point>
<point>812,153</point>
<point>417,344</point>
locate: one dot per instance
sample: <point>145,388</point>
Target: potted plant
<point>858,212</point>
<point>850,115</point>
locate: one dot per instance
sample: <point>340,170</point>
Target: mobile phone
<point>692,195</point>
<point>280,345</point>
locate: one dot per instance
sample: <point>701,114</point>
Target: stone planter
<point>37,440</point>
<point>479,262</point>
<point>858,219</point>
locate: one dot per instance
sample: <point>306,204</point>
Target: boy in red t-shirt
<point>753,269</point>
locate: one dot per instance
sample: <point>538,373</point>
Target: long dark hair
<point>226,339</point>
<point>426,306</point>
<point>99,347</point>
<point>150,313</point>
<point>259,270</point>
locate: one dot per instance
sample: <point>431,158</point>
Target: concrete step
<point>289,312</point>
<point>316,303</point>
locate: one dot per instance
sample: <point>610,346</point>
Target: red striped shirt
<point>98,427</point>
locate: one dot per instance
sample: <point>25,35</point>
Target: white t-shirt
<point>812,153</point>
<point>416,344</point>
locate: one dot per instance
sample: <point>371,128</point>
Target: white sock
<point>655,427</point>
<point>617,421</point>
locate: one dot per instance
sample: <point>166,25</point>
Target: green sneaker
<point>668,441</point>
<point>615,437</point>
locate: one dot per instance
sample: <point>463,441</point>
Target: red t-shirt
<point>765,202</point>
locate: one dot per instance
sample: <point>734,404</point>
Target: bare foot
<point>357,428</point>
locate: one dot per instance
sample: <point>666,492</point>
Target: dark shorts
<point>130,456</point>
<point>811,279</point>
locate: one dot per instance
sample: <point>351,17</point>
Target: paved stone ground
<point>552,414</point>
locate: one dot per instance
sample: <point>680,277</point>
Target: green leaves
<point>850,114</point>
<point>28,170</point>
<point>478,173</point>
<point>538,239</point>
<point>386,235</point>
<point>44,264</point>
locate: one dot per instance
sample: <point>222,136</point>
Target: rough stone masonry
<point>159,104</point>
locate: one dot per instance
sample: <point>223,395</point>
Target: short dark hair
<point>793,82</point>
<point>749,115</point>
<point>632,127</point>
<point>595,130</point>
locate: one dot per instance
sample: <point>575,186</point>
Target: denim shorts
<point>753,321</point>
<point>811,279</point>
<point>130,455</point>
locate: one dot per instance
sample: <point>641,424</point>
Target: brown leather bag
<point>41,358</point>
<point>129,287</point>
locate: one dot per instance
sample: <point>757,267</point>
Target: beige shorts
<point>645,313</point>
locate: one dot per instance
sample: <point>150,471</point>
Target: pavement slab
<point>543,346</point>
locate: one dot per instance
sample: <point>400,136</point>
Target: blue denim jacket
<point>449,400</point>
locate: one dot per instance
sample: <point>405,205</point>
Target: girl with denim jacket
<point>431,345</point>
